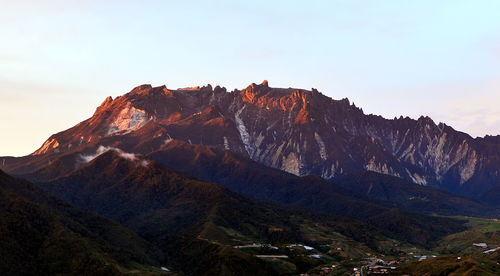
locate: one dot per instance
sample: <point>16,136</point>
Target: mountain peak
<point>205,88</point>
<point>264,84</point>
<point>108,100</point>
<point>147,89</point>
<point>105,104</point>
<point>426,120</point>
<point>140,88</point>
<point>296,130</point>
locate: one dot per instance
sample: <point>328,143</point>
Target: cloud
<point>99,151</point>
<point>125,155</point>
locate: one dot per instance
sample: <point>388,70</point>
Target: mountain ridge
<point>42,235</point>
<point>196,223</point>
<point>295,130</point>
<point>244,176</point>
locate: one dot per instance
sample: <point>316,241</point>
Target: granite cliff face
<point>295,130</point>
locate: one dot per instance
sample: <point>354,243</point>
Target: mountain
<point>396,192</point>
<point>246,176</point>
<point>41,235</point>
<point>299,131</point>
<point>492,197</point>
<point>243,175</point>
<point>197,224</point>
<point>212,182</point>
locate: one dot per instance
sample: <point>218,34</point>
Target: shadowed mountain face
<point>298,131</point>
<point>244,175</point>
<point>41,235</point>
<point>492,197</point>
<point>394,191</point>
<point>91,186</point>
<point>194,222</point>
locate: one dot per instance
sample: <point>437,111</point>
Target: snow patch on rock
<point>128,120</point>
<point>321,144</point>
<point>416,178</point>
<point>226,143</point>
<point>468,169</point>
<point>376,167</point>
<point>245,137</point>
<point>259,140</point>
<point>382,168</point>
<point>291,164</point>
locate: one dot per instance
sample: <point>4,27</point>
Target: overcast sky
<point>60,59</point>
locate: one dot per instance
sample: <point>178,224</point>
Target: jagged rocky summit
<point>299,131</point>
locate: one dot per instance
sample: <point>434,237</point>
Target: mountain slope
<point>41,235</point>
<point>194,220</point>
<point>394,191</point>
<point>448,265</point>
<point>244,175</point>
<point>492,197</point>
<point>302,132</point>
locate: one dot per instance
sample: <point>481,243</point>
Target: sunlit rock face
<point>128,120</point>
<point>49,145</point>
<point>295,130</point>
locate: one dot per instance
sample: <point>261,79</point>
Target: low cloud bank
<point>103,149</point>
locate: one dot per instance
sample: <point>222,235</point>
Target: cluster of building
<point>256,245</point>
<point>484,246</point>
<point>379,266</point>
<point>308,248</point>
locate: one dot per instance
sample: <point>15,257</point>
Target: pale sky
<point>60,59</point>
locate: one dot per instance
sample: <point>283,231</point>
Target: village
<point>332,259</point>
